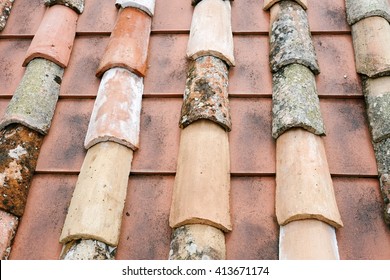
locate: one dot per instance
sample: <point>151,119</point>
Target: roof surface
<point>145,232</point>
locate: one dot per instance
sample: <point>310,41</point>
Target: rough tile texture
<point>290,40</point>
<point>308,240</point>
<point>145,5</point>
<point>197,242</point>
<point>358,9</point>
<point>129,42</point>
<point>5,10</point>
<point>295,101</point>
<point>377,94</point>
<point>54,38</point>
<point>206,93</point>
<point>211,31</point>
<point>202,183</point>
<point>87,249</point>
<point>98,199</point>
<point>19,152</point>
<point>371,41</point>
<point>382,152</point>
<point>35,99</point>
<point>8,227</point>
<point>77,5</point>
<point>304,188</point>
<point>116,114</point>
<point>269,3</point>
<point>384,182</point>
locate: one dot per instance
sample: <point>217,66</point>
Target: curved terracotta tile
<point>129,43</point>
<point>55,36</point>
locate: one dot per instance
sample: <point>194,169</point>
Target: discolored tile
<point>327,16</point>
<point>98,16</point>
<point>364,236</point>
<point>40,229</point>
<point>347,141</point>
<point>255,234</point>
<point>145,233</point>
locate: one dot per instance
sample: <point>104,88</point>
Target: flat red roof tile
<point>79,78</point>
<point>145,219</point>
<point>364,235</point>
<point>11,71</point>
<point>255,234</point>
<point>327,16</point>
<point>25,17</point>
<point>347,142</point>
<point>337,64</point>
<point>40,228</point>
<point>98,16</point>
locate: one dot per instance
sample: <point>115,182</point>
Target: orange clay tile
<point>40,228</point>
<point>364,236</point>
<point>304,188</point>
<point>8,227</point>
<point>202,182</point>
<point>129,41</point>
<point>55,36</point>
<point>145,219</point>
<point>116,113</point>
<point>255,230</point>
<point>257,155</point>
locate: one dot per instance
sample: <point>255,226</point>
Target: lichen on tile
<point>295,101</point>
<point>358,9</point>
<point>5,10</point>
<point>19,152</point>
<point>197,242</point>
<point>76,5</point>
<point>206,93</point>
<point>87,249</point>
<point>35,99</point>
<point>290,40</point>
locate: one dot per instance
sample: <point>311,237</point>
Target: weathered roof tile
<point>35,99</point>
<point>5,10</point>
<point>295,101</point>
<point>197,242</point>
<point>290,39</point>
<point>97,204</point>
<point>304,188</point>
<point>76,5</point>
<point>19,152</point>
<point>145,5</point>
<point>87,249</point>
<point>206,93</point>
<point>202,182</point>
<point>371,41</point>
<point>361,9</point>
<point>8,227</point>
<point>377,93</point>
<point>269,3</point>
<point>211,31</point>
<point>129,42</point>
<point>54,38</point>
<point>116,114</point>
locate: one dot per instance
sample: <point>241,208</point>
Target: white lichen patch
<point>17,152</point>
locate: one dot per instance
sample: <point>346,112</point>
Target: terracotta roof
<point>145,220</point>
